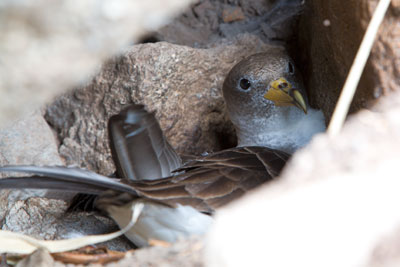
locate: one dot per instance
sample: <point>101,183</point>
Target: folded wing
<point>206,183</point>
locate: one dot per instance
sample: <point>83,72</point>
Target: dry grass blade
<point>350,86</point>
<point>11,242</point>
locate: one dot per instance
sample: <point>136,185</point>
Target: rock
<point>28,141</point>
<point>256,7</point>
<point>208,12</point>
<point>40,257</point>
<point>183,34</point>
<point>47,47</point>
<point>195,27</point>
<point>76,224</point>
<point>37,217</point>
<point>181,84</point>
<point>183,253</point>
<point>230,14</point>
<point>208,21</point>
<point>329,37</point>
<point>386,253</point>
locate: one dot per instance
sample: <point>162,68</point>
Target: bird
<point>267,104</point>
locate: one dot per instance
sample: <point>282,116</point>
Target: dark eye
<point>245,84</point>
<point>283,85</point>
<point>291,68</point>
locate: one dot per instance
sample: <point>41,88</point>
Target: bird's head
<point>265,91</point>
<point>264,82</point>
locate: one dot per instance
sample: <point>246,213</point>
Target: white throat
<point>286,131</point>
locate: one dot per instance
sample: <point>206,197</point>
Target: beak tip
<point>299,100</point>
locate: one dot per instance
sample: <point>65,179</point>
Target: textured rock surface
<point>71,225</point>
<point>36,217</point>
<point>49,46</point>
<point>40,257</point>
<point>184,253</point>
<point>29,141</point>
<point>181,84</point>
<point>208,21</point>
<point>330,34</point>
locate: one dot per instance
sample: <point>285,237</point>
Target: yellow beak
<point>282,94</point>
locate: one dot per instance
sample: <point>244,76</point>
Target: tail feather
<point>63,178</point>
<point>39,182</point>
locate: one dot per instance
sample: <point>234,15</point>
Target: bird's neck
<point>287,131</point>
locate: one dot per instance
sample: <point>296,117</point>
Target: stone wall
<point>329,36</point>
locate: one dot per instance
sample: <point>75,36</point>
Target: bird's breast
<point>285,132</point>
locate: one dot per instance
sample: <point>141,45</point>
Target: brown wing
<point>212,181</point>
<point>205,183</point>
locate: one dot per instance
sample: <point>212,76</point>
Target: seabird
<point>267,104</point>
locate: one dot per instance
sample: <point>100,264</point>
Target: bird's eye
<point>283,85</point>
<point>291,68</point>
<point>245,84</point>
